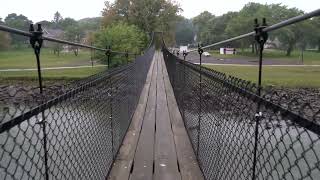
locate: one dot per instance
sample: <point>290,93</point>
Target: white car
<point>206,54</point>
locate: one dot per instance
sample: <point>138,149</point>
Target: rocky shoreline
<point>15,94</point>
<point>22,92</point>
<point>28,94</point>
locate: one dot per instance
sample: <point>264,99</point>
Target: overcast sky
<point>37,10</point>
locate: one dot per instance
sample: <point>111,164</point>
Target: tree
<point>5,40</point>
<point>90,24</point>
<point>57,18</point>
<point>288,36</point>
<point>20,22</point>
<point>211,29</point>
<point>243,23</point>
<point>315,33</point>
<point>203,24</point>
<point>121,36</point>
<point>184,31</point>
<point>148,15</point>
<point>67,22</point>
<point>46,24</point>
<point>75,34</point>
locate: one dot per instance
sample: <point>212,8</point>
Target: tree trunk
<point>252,49</point>
<point>290,48</point>
<point>75,52</point>
<point>257,48</point>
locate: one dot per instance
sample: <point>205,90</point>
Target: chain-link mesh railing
<point>221,114</point>
<point>75,135</point>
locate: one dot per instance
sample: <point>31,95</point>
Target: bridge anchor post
<point>200,51</point>
<point>108,54</point>
<point>110,94</point>
<point>261,38</point>
<point>184,84</point>
<point>36,42</point>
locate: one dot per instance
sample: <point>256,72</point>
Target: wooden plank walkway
<point>156,146</point>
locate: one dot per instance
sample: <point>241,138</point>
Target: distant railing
<point>76,135</point>
<point>237,129</point>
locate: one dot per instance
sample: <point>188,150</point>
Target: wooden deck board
<point>143,160</point>
<point>122,165</point>
<point>187,160</point>
<point>166,166</point>
<point>157,145</point>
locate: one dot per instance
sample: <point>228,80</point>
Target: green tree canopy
<point>57,18</point>
<point>184,31</point>
<point>122,37</point>
<point>211,29</point>
<point>20,22</point>
<point>148,15</point>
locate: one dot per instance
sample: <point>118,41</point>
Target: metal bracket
<point>108,54</point>
<point>36,38</point>
<point>200,50</point>
<point>258,114</point>
<point>261,36</point>
<point>36,43</point>
<point>184,53</point>
<point>108,51</point>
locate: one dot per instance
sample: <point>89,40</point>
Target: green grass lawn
<point>61,74</point>
<point>278,76</point>
<point>310,57</point>
<point>25,58</point>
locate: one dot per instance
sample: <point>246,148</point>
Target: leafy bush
<point>121,37</point>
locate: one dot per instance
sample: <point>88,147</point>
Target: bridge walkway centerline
<point>156,145</point>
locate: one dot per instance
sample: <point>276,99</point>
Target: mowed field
<point>307,58</point>
<point>25,59</point>
<point>280,76</point>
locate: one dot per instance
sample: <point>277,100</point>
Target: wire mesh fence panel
<point>225,117</point>
<point>75,135</point>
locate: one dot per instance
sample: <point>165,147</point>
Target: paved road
<point>194,58</point>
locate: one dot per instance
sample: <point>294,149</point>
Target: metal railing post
<point>200,51</point>
<point>111,120</point>
<point>127,57</point>
<point>108,54</point>
<point>261,37</point>
<point>91,55</point>
<point>36,42</point>
<point>184,85</point>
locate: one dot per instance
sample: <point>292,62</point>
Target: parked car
<point>206,54</point>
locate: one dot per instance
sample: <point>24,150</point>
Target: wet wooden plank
<point>143,160</point>
<point>122,165</point>
<point>157,135</point>
<point>166,166</point>
<point>187,160</point>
